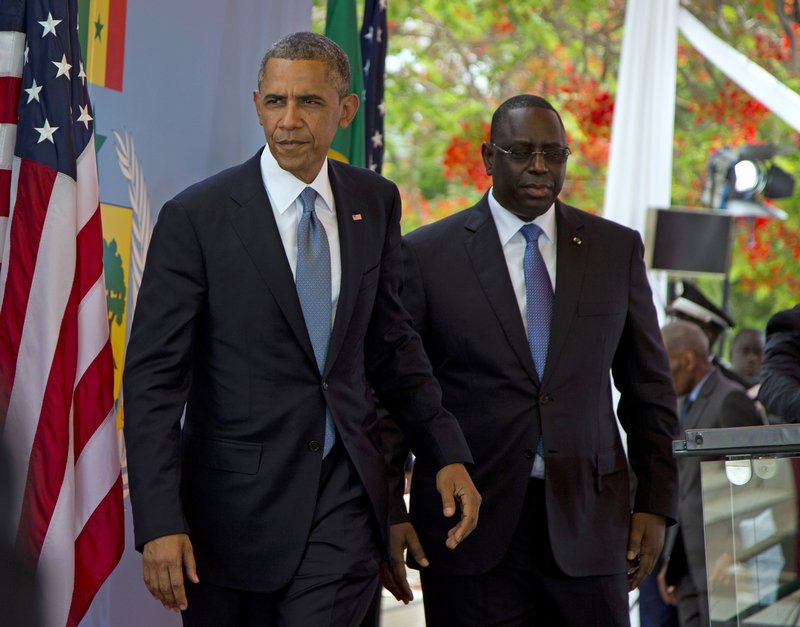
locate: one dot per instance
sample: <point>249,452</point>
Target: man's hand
<point>402,536</point>
<point>163,562</point>
<point>453,482</point>
<point>645,541</point>
<point>668,593</point>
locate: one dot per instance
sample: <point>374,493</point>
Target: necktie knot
<point>531,232</point>
<point>307,197</point>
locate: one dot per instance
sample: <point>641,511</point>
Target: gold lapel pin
<point>577,240</point>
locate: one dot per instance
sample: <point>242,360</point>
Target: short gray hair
<point>681,336</point>
<point>305,46</point>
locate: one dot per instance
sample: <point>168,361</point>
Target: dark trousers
<point>527,588</point>
<point>653,612</point>
<point>337,576</point>
<point>692,603</point>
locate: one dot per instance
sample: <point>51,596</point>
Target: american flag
<point>374,40</point>
<point>57,418</point>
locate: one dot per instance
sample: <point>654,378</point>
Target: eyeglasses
<point>555,156</point>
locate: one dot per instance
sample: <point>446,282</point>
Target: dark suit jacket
<point>780,370</point>
<point>459,294</point>
<point>219,327</point>
<point>720,403</point>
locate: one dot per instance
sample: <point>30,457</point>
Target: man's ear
<point>256,96</point>
<point>487,154</point>
<point>349,106</point>
<point>689,360</point>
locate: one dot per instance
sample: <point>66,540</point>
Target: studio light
<point>738,178</point>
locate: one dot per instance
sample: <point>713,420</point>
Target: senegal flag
<point>340,25</point>
<point>101,29</point>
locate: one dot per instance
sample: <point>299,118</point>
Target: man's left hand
<point>402,537</point>
<point>645,541</point>
<point>454,484</point>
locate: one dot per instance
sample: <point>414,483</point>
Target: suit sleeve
<point>739,410</point>
<point>780,370</point>
<point>398,368</point>
<point>157,373</point>
<point>647,405</point>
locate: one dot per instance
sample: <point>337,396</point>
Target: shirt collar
<point>508,225</point>
<point>283,187</point>
<point>696,389</point>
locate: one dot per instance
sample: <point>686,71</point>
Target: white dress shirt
<point>513,243</point>
<point>283,190</point>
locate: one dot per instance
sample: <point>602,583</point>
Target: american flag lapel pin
<point>357,217</point>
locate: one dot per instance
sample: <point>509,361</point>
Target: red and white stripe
<point>12,45</point>
<point>57,375</point>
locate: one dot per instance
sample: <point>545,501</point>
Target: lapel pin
<point>577,240</point>
<point>357,217</point>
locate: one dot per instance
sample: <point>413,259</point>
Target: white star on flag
<point>26,52</point>
<point>382,108</point>
<point>82,74</point>
<point>382,5</point>
<point>33,92</point>
<point>46,132</point>
<point>63,66</point>
<point>49,25</point>
<point>377,139</point>
<point>380,35</point>
<point>84,116</point>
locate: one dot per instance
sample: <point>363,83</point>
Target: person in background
<point>691,304</point>
<point>710,400</point>
<point>526,306</point>
<point>269,305</point>
<point>20,605</point>
<point>780,370</point>
<point>747,352</point>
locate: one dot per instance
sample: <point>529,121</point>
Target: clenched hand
<point>645,541</point>
<point>454,484</point>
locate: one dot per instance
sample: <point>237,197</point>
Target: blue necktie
<point>313,281</point>
<point>687,405</point>
<point>539,306</point>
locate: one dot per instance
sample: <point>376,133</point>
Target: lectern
<point>750,478</point>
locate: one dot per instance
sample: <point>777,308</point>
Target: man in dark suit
<point>780,370</point>
<point>710,400</point>
<point>269,306</point>
<point>557,543</point>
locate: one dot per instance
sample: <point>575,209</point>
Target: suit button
<point>528,453</point>
<point>324,385</point>
<point>314,446</point>
<point>544,399</point>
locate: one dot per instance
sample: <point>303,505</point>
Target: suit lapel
<point>572,247</point>
<point>254,223</point>
<point>486,254</point>
<point>698,408</point>
<point>350,234</point>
